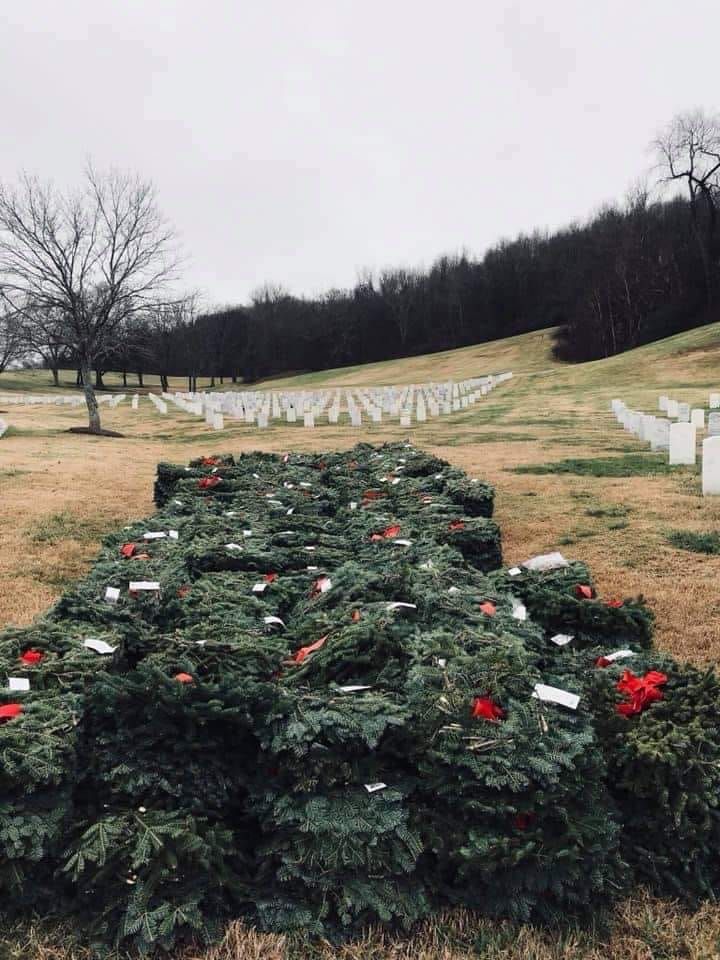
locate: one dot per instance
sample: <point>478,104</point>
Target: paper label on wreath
<point>519,610</point>
<point>619,655</point>
<point>154,535</point>
<point>178,503</point>
<point>173,534</point>
<point>355,688</point>
<point>21,684</point>
<point>403,543</point>
<point>272,620</point>
<point>353,504</point>
<point>152,586</point>
<point>514,571</point>
<point>556,695</point>
<point>112,594</point>
<point>401,605</point>
<point>374,787</point>
<point>99,646</point>
<point>561,639</point>
<point>233,546</point>
<point>259,587</point>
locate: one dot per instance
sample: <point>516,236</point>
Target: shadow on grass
<point>630,465</point>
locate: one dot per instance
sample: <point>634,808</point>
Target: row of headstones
<point>260,407</point>
<point>44,400</point>
<point>679,439</point>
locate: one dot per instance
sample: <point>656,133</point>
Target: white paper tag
<point>442,663</point>
<point>305,484</point>
<point>546,561</point>
<point>428,565</point>
<point>159,535</point>
<point>233,546</point>
<point>619,655</point>
<point>519,611</point>
<point>271,620</point>
<point>99,646</point>
<point>514,571</point>
<point>259,587</point>
<point>556,695</point>
<point>275,503</point>
<point>173,534</point>
<point>247,533</point>
<point>112,594</point>
<point>396,481</point>
<point>353,504</point>
<point>18,683</point>
<point>399,604</point>
<point>178,503</point>
<point>290,512</point>
<point>257,476</point>
<point>374,787</point>
<point>355,689</point>
<point>230,513</point>
<point>403,543</point>
<point>310,549</point>
<point>311,569</point>
<point>201,643</point>
<point>324,584</point>
<point>453,589</point>
<point>149,585</point>
<point>561,639</point>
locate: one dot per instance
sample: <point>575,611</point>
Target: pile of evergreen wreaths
<point>306,693</point>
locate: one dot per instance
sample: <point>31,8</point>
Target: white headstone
<point>682,443</point>
<point>697,418</point>
<point>713,425</point>
<point>711,467</point>
<point>684,412</point>
<point>714,401</point>
<point>672,408</point>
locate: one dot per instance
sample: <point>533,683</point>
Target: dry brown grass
<point>547,413</point>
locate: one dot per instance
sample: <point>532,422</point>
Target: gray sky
<point>297,142</point>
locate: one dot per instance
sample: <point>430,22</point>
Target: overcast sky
<point>297,142</point>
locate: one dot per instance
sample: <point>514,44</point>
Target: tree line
<point>85,280</point>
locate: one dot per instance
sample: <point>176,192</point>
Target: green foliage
<point>630,465</point>
<point>291,728</point>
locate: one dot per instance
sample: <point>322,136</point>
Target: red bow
<point>128,549</point>
<point>183,591</point>
<point>208,482</point>
<point>10,710</point>
<point>270,577</point>
<point>523,820</point>
<point>485,709</point>
<point>583,591</point>
<point>614,604</point>
<point>304,652</point>
<point>183,678</point>
<point>457,525</point>
<point>31,657</point>
<point>355,616</point>
<point>602,662</point>
<point>642,691</point>
<point>388,533</point>
<point>210,461</point>
<point>488,608</point>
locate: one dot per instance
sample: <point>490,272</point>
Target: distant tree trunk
<point>164,382</point>
<point>222,381</point>
<point>140,379</point>
<point>99,385</point>
<point>56,376</point>
<point>78,379</point>
<point>190,389</point>
<point>124,378</point>
<point>91,400</point>
<point>212,381</point>
<point>234,378</point>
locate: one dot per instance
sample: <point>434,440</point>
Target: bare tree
<point>93,259</point>
<point>43,334</point>
<point>11,338</point>
<point>689,150</point>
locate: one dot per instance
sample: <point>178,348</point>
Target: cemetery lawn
<point>566,476</point>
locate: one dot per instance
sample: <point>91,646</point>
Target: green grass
<point>67,526</point>
<point>695,542</point>
<point>612,510</point>
<point>630,465</point>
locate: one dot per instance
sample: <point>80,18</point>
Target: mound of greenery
<point>306,693</point>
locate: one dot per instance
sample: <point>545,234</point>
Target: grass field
<point>567,477</point>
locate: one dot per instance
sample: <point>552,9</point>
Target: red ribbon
<point>488,608</point>
<point>207,483</point>
<point>183,678</point>
<point>210,461</point>
<point>128,549</point>
<point>614,604</point>
<point>304,652</point>
<point>583,591</point>
<point>31,657</point>
<point>641,691</point>
<point>270,577</point>
<point>10,710</point>
<point>523,820</point>
<point>355,616</point>
<point>388,533</point>
<point>484,708</point>
<point>457,525</point>
<point>602,662</point>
